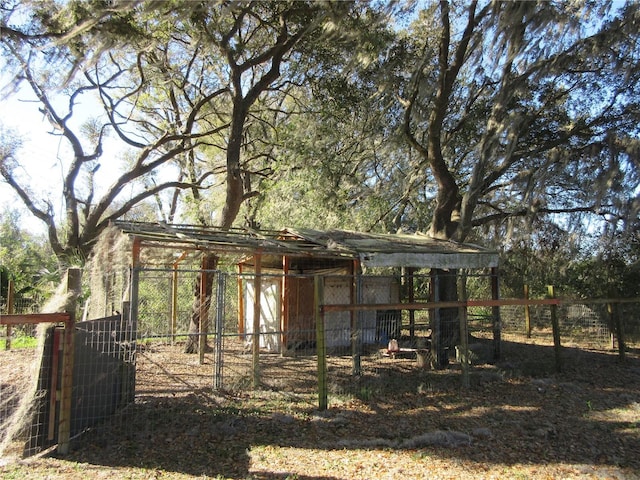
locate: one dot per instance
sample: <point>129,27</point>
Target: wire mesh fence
<point>586,324</point>
<point>356,341</point>
<point>18,368</point>
<point>137,366</point>
<point>19,336</point>
<point>21,304</point>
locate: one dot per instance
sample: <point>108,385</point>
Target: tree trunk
<point>445,329</point>
<point>244,96</point>
<point>201,304</point>
<point>446,214</point>
<point>233,201</point>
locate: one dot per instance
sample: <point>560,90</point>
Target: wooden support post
<point>134,297</point>
<point>203,311</point>
<point>174,296</point>
<point>10,311</point>
<point>555,325</point>
<point>127,357</point>
<point>527,312</point>
<point>53,392</point>
<point>241,310</point>
<point>356,322</point>
<point>497,323</point>
<point>284,304</point>
<point>66,387</point>
<point>318,296</point>
<point>174,302</point>
<point>435,322</point>
<point>411,298</point>
<point>220,304</point>
<point>616,323</point>
<point>130,319</point>
<point>464,333</point>
<point>257,287</point>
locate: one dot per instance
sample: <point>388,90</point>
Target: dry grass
<point>518,420</point>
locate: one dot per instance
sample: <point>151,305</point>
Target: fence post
<point>174,302</point>
<point>435,324</point>
<point>495,311</point>
<point>527,312</point>
<point>464,334</point>
<point>66,387</point>
<point>356,329</point>
<point>318,298</point>
<point>257,287</point>
<point>127,356</point>
<point>557,347</point>
<point>220,298</point>
<point>412,298</point>
<point>10,310</point>
<point>134,293</point>
<point>615,321</point>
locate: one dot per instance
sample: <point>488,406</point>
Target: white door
<point>269,312</point>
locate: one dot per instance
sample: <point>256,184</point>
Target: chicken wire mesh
<point>148,354</point>
<point>588,325</point>
<point>19,336</point>
<point>351,336</point>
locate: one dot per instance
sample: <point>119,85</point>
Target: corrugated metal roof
<point>402,250</point>
<point>372,249</point>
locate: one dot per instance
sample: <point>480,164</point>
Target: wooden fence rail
<point>34,318</point>
<point>347,307</point>
<point>551,300</point>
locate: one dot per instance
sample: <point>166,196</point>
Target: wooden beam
<point>68,346</point>
<point>284,302</point>
<point>19,319</point>
<point>241,308</point>
<point>257,287</point>
<point>617,326</point>
<point>495,311</point>
<point>438,260</point>
<point>412,298</point>
<point>135,252</point>
<point>555,325</point>
<point>318,298</point>
<point>174,302</point>
<point>203,308</point>
<point>355,295</point>
<point>527,312</point>
<point>10,300</point>
<point>174,295</point>
<point>435,319</point>
<point>464,333</point>
<point>53,393</point>
<point>451,304</point>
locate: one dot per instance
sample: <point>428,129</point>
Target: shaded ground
<point>517,420</point>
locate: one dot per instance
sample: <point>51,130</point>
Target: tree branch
<point>528,211</point>
<point>136,199</point>
<point>46,217</point>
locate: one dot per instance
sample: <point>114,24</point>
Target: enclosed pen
<point>368,281</point>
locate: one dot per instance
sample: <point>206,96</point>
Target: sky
<point>43,154</point>
<point>39,153</point>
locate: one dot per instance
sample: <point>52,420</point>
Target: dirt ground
<point>518,419</point>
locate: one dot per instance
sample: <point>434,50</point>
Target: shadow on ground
<point>519,410</point>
